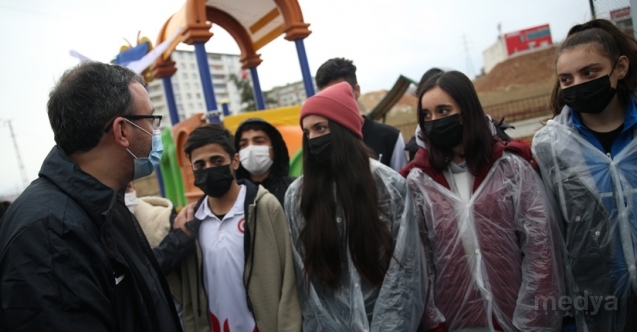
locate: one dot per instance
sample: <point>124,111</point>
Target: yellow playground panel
<point>285,119</point>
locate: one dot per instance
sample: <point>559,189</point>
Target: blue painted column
<point>305,68</point>
<point>256,89</point>
<point>170,100</point>
<point>225,108</point>
<point>206,83</point>
<point>160,182</point>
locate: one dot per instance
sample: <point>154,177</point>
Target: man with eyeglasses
<point>69,259</point>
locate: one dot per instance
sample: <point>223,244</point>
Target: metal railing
<point>521,109</point>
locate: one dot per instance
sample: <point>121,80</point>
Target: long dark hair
<point>369,239</point>
<point>611,43</point>
<point>477,137</point>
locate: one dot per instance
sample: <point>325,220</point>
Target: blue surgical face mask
<point>145,166</point>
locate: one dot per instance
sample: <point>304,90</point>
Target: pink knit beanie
<point>336,103</point>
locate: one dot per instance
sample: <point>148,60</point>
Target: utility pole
<point>470,72</point>
<point>23,173</point>
<point>590,2</point>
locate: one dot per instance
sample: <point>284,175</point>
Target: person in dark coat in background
<point>386,142</point>
<point>264,156</point>
<point>70,260</point>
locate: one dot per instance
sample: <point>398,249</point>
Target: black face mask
<point>445,133</point>
<point>214,181</point>
<point>321,148</point>
<point>590,97</point>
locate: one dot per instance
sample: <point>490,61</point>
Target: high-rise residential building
<point>187,88</point>
<point>289,94</point>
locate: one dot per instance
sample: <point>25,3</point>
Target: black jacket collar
<point>94,197</point>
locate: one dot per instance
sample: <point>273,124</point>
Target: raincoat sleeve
<point>432,317</point>
<point>50,285</point>
<point>542,277</point>
<point>401,301</point>
<point>544,154</point>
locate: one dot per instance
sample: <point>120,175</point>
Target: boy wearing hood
<point>264,156</point>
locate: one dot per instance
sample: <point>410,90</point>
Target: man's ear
<point>236,161</point>
<point>121,133</point>
<point>357,91</point>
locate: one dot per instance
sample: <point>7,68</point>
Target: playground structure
<point>252,24</point>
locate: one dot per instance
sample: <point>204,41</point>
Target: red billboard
<point>528,39</point>
<point>620,13</point>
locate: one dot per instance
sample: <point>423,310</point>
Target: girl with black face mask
<point>359,260</point>
<point>489,232</point>
<point>588,157</point>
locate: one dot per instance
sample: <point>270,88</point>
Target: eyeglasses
<point>155,120</point>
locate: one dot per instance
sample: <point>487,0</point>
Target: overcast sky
<point>384,38</point>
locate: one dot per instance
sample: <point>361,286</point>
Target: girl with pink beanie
<point>358,256</point>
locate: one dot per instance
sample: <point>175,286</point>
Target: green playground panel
<point>171,174</point>
<point>296,163</point>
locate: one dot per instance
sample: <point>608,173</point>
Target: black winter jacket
<point>70,261</point>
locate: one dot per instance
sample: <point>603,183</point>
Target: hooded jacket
<point>71,261</point>
<point>398,304</point>
<point>510,238</point>
<point>279,179</point>
<point>268,270</point>
<point>595,195</point>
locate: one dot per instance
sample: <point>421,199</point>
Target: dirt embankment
<point>522,76</point>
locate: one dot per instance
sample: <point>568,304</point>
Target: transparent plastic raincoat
<point>596,196</point>
<point>494,256</point>
<point>398,304</point>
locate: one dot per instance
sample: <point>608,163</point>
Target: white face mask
<point>256,159</point>
<point>131,201</point>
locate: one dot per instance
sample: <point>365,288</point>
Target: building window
<point>198,95</point>
<point>192,66</point>
<point>195,85</point>
<point>177,97</point>
<point>200,105</point>
<point>190,106</point>
<point>180,107</point>
<point>218,77</point>
<point>215,57</point>
<point>187,85</point>
<point>194,76</point>
<point>176,87</point>
<point>188,96</point>
<point>219,86</point>
<point>180,55</point>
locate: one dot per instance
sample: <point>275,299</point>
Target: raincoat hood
<point>421,161</point>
